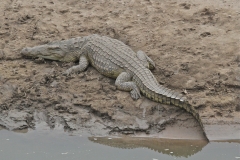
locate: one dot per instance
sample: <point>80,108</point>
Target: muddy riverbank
<point>194,44</point>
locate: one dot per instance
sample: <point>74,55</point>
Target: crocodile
<point>113,59</point>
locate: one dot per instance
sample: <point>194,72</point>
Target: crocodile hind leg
<point>147,62</point>
<point>123,82</point>
<point>83,64</point>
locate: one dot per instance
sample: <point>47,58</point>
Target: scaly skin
<point>114,59</point>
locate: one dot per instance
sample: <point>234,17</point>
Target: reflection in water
<point>58,145</point>
<point>178,148</point>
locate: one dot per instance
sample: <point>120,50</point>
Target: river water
<point>59,145</point>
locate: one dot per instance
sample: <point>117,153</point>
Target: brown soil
<point>194,44</point>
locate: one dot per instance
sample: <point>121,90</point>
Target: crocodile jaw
<point>51,52</point>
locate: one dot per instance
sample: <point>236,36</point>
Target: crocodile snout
<point>24,51</point>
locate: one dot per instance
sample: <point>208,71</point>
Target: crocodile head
<point>52,52</point>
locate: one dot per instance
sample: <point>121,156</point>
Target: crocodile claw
<point>66,73</point>
<point>135,94</point>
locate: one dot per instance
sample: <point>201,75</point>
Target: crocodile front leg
<point>123,82</point>
<point>83,64</point>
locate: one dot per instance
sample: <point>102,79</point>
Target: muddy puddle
<point>57,145</point>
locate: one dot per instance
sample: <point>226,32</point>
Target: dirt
<point>194,44</point>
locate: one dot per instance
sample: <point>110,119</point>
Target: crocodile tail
<point>176,99</point>
<point>189,108</point>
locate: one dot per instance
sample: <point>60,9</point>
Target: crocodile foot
<point>135,94</point>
